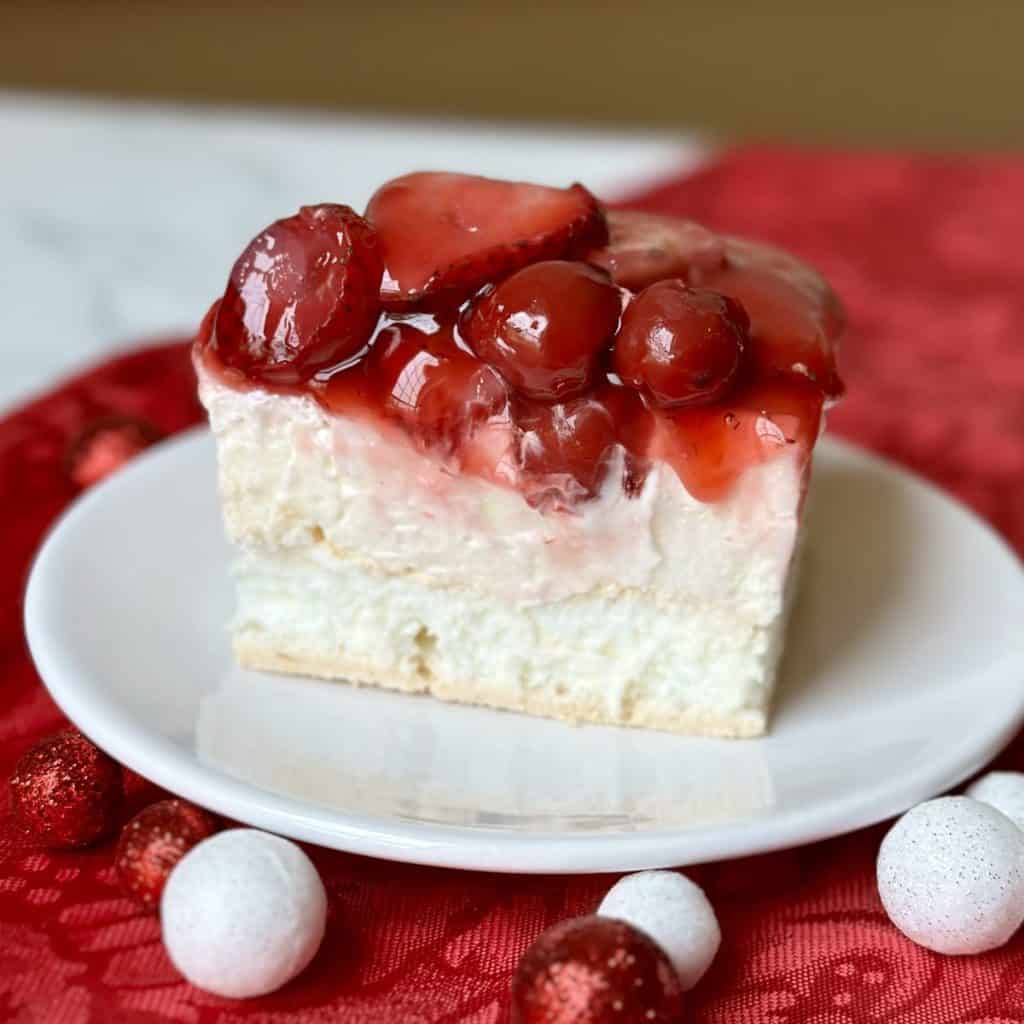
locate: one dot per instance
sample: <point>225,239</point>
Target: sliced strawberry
<point>303,296</point>
<point>446,235</point>
<point>644,248</point>
<point>796,320</point>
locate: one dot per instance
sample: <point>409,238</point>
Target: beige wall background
<point>927,74</point>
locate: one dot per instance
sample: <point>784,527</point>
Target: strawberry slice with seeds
<point>796,319</point>
<point>644,248</point>
<point>445,235</point>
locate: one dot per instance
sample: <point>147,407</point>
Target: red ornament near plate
<point>66,792</point>
<point>153,842</point>
<point>595,970</point>
<point>105,446</point>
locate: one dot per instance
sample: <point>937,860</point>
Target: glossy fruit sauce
<point>522,334</point>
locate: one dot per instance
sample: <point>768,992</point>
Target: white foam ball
<point>242,913</point>
<point>951,875</point>
<point>1004,791</point>
<point>674,912</point>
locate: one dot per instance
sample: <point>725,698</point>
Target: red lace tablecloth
<point>928,253</point>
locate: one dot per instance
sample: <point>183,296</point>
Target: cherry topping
<point>446,235</point>
<point>303,296</point>
<point>545,327</point>
<point>643,248</point>
<point>681,345</point>
<point>437,390</point>
<point>564,450</point>
<point>521,397</point>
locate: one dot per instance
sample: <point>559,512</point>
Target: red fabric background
<point>928,254</point>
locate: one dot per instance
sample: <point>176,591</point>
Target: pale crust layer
<point>551,703</point>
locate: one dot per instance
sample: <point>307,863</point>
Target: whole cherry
<point>680,345</point>
<point>303,296</point>
<point>545,327</point>
<point>438,390</point>
<point>564,449</point>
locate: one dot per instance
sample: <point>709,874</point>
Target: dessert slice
<point>491,443</point>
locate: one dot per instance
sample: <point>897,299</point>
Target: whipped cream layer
<point>296,478</point>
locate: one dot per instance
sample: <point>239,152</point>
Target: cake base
<point>691,721</point>
<point>612,658</point>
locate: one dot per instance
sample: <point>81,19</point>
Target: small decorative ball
<point>66,792</point>
<point>1002,790</point>
<point>594,970</point>
<point>951,875</point>
<point>674,912</point>
<point>243,913</point>
<point>105,446</point>
<point>153,842</point>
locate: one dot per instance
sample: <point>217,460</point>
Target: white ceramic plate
<point>904,674</point>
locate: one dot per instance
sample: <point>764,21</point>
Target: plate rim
<point>469,847</point>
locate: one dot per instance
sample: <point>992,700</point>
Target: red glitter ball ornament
<point>595,970</point>
<point>105,446</point>
<point>66,792</point>
<point>153,842</point>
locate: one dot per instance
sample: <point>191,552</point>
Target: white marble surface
<point>120,221</point>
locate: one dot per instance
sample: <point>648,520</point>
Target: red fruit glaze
<point>545,327</point>
<point>446,235</point>
<point>644,248</point>
<point>66,792</point>
<point>302,296</point>
<point>635,424</point>
<point>681,345</point>
<point>710,446</point>
<point>153,842</point>
<point>595,970</point>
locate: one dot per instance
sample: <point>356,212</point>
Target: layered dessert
<point>491,442</point>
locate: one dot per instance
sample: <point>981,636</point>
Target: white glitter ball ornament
<point>951,875</point>
<point>1004,791</point>
<point>673,911</point>
<point>242,913</point>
